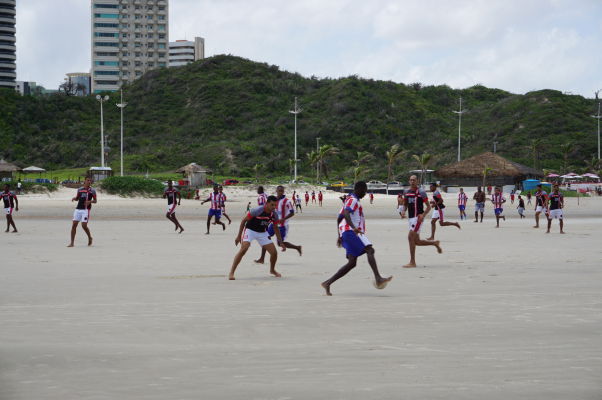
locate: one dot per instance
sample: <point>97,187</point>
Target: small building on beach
<point>193,175</point>
<point>470,172</point>
<point>7,170</point>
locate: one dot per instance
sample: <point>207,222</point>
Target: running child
<point>462,200</point>
<point>10,203</point>
<point>400,204</point>
<point>521,207</point>
<point>556,202</point>
<point>438,212</point>
<point>215,210</point>
<point>351,235</point>
<point>371,198</point>
<point>254,226</point>
<point>85,197</point>
<point>541,203</point>
<point>498,200</point>
<point>222,202</point>
<point>172,194</point>
<point>415,201</point>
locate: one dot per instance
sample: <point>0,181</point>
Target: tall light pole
<point>494,147</point>
<point>121,105</point>
<point>296,111</point>
<point>598,118</point>
<point>102,132</point>
<point>318,163</point>
<point>460,112</point>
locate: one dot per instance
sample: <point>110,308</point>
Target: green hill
<point>231,113</point>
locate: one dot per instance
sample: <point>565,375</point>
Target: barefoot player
<point>462,200</point>
<point>438,212</point>
<point>254,227</point>
<point>85,197</point>
<point>541,203</point>
<point>351,235</point>
<point>215,210</point>
<point>285,211</point>
<point>172,194</point>
<point>320,197</point>
<point>415,201</point>
<point>479,198</point>
<point>262,198</point>
<point>10,203</point>
<point>222,202</point>
<point>556,202</point>
<point>498,200</point>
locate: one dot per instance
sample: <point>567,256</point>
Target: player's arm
<point>279,236</point>
<point>426,211</point>
<point>179,197</point>
<point>16,202</point>
<point>76,196</point>
<point>243,222</point>
<point>347,214</point>
<point>164,194</point>
<point>206,200</point>
<point>94,200</point>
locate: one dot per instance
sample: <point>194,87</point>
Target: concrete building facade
<point>80,82</point>
<point>182,52</point>
<point>8,45</point>
<point>25,88</point>
<point>129,37</point>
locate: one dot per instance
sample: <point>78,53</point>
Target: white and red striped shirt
<point>262,199</point>
<point>222,200</point>
<point>498,200</point>
<point>283,208</point>
<point>462,199</point>
<point>215,201</point>
<point>353,205</point>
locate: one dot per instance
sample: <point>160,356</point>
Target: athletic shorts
<point>479,207</point>
<point>354,244</point>
<point>414,224</point>
<point>401,209</point>
<point>521,210</point>
<point>462,208</point>
<point>555,214</point>
<point>539,209</point>
<point>217,213</point>
<point>498,211</point>
<point>283,231</point>
<point>171,208</point>
<point>8,211</point>
<point>261,237</point>
<point>81,215</point>
<point>437,214</point>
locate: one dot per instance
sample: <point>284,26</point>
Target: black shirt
<point>260,219</point>
<point>84,195</point>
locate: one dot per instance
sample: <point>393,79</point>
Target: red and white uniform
<point>498,200</point>
<point>320,196</point>
<point>222,201</point>
<point>306,197</point>
<point>9,202</point>
<point>283,208</point>
<point>262,199</point>
<point>353,205</point>
<point>462,199</point>
<point>215,199</point>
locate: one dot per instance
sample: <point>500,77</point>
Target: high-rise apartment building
<point>129,37</point>
<point>8,49</point>
<point>182,52</point>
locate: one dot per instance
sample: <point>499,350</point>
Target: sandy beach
<point>146,313</point>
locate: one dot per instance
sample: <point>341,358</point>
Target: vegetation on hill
<point>231,114</point>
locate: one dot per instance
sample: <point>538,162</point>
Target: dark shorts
<point>216,213</point>
<point>462,208</point>
<point>353,244</point>
<point>498,211</point>
<point>283,231</point>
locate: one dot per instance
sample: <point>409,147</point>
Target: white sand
<point>509,313</point>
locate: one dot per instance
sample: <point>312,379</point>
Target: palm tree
<point>313,161</point>
<point>392,154</point>
<point>593,165</point>
<point>567,149</point>
<point>358,168</point>
<point>324,153</point>
<point>358,172</point>
<point>486,172</point>
<point>536,147</point>
<point>423,161</point>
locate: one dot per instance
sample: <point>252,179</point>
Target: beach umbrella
<point>552,176</point>
<point>33,169</point>
<point>590,175</point>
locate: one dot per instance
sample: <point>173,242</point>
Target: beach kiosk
<point>7,171</point>
<point>193,175</point>
<point>99,173</point>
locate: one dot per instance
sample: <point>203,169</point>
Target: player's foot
<point>206,233</point>
<point>181,230</point>
<point>176,228</point>
<point>231,277</point>
<point>430,238</point>
<point>410,265</point>
<point>275,273</point>
<point>300,250</point>
<point>504,217</point>
<point>14,231</point>
<point>547,231</point>
<point>536,226</point>
<point>258,261</point>
<point>497,226</point>
<point>458,226</point>
<point>70,245</point>
<point>382,283</point>
<point>475,221</point>
<point>89,241</point>
<point>229,221</point>
<point>214,223</point>
<point>562,232</point>
<point>6,231</point>
<point>439,249</point>
<point>223,227</point>
<point>327,288</point>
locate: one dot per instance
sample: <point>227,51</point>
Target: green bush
<point>132,186</point>
<point>32,187</point>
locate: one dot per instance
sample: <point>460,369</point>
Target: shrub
<point>132,186</point>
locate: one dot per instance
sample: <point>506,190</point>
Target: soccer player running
<point>285,211</point>
<point>306,198</point>
<point>313,196</point>
<point>222,202</point>
<point>521,207</point>
<point>371,198</point>
<point>10,203</point>
<point>462,200</point>
<point>215,210</point>
<point>320,197</point>
<point>400,204</point>
<point>254,227</point>
<point>298,204</point>
<point>351,228</point>
<point>498,200</point>
<point>262,198</point>
<point>556,202</point>
<point>85,197</point>
<point>479,197</point>
<point>415,199</point>
<point>172,194</point>
<point>438,212</point>
<point>541,203</point>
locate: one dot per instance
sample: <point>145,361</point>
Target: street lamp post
<point>102,132</point>
<point>459,125</point>
<point>318,163</point>
<point>296,111</point>
<point>121,105</point>
<point>598,118</point>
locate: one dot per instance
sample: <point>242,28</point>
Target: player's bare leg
<point>85,227</point>
<point>380,282</point>
<point>244,246</point>
<point>536,220</point>
<point>561,226</point>
<point>433,228</point>
<point>414,240</point>
<point>289,245</point>
<point>208,224</point>
<point>261,259</point>
<point>73,231</point>
<point>217,221</point>
<point>447,223</point>
<point>344,270</point>
<point>227,217</point>
<point>270,248</point>
<point>481,216</point>
<point>170,217</point>
<point>12,222</point>
<point>178,225</point>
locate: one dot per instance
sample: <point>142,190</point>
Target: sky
<point>515,45</point>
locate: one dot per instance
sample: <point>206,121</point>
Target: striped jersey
<point>498,200</point>
<point>84,195</point>
<point>215,198</point>
<point>262,199</point>
<point>9,199</point>
<point>540,197</point>
<point>556,201</point>
<point>462,199</point>
<point>353,205</point>
<point>414,201</point>
<point>438,200</point>
<point>222,200</point>
<point>171,195</point>
<point>284,207</point>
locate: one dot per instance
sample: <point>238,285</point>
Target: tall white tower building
<point>8,49</point>
<point>182,52</point>
<point>129,37</point>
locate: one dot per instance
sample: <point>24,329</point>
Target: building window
<point>138,73</point>
<point>150,54</point>
<point>137,16</point>
<point>138,54</point>
<point>150,35</point>
<point>125,25</point>
<point>105,82</point>
<point>125,53</point>
<point>106,72</point>
<point>137,7</point>
<point>161,17</point>
<point>105,25</point>
<point>150,45</point>
<point>138,64</point>
<point>161,8</point>
<point>161,27</point>
<point>150,64</point>
<point>125,63</point>
<point>107,63</point>
<point>161,36</point>
<point>161,45</point>
<point>161,55</point>
<point>105,34</point>
<point>138,36</point>
<point>161,64</point>
<point>106,6</point>
<point>137,26</point>
<point>106,44</point>
<point>124,44</point>
<point>149,27</point>
<point>115,16</point>
<point>137,44</point>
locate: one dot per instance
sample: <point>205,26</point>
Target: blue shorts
<point>462,208</point>
<point>217,213</point>
<point>354,244</point>
<point>498,211</point>
<point>283,231</point>
<point>480,207</point>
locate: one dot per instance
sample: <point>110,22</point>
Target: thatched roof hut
<point>469,172</point>
<point>7,169</point>
<point>195,174</point>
